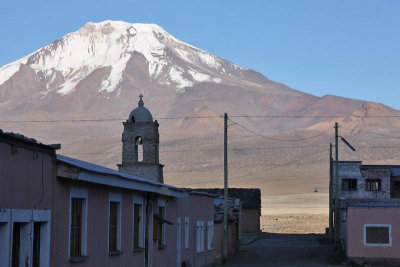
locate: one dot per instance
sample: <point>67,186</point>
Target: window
<point>186,232</point>
<point>161,224</point>
<point>137,224</point>
<point>377,235</point>
<point>373,185</point>
<point>36,244</point>
<point>76,227</point>
<point>395,186</point>
<point>16,244</point>
<point>114,225</point>
<point>199,236</point>
<point>349,184</point>
<point>78,224</point>
<point>210,235</point>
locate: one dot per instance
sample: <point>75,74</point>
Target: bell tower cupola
<point>140,145</point>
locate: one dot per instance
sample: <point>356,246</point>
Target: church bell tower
<point>140,145</point>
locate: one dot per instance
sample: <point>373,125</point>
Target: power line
<point>103,120</point>
<point>314,116</point>
<point>282,140</point>
<point>208,150</point>
<point>203,117</point>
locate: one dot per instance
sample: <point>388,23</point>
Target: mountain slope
<point>97,73</point>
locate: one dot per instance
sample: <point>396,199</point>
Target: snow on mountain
<point>70,59</point>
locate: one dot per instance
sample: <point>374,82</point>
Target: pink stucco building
<point>61,211</point>
<point>373,231</point>
<point>369,204</point>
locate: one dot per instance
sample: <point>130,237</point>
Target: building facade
<point>27,171</point>
<point>369,208</point>
<point>60,211</point>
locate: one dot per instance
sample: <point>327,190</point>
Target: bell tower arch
<point>140,145</point>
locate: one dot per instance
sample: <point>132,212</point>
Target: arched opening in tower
<point>139,148</point>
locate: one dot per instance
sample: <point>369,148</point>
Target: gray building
<point>140,145</point>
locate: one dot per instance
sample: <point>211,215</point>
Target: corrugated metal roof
<point>23,138</point>
<point>103,170</point>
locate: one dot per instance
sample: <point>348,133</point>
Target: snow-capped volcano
<point>99,70</point>
<point>70,59</point>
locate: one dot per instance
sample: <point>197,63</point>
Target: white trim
<point>45,230</point>
<point>115,197</point>
<point>187,231</point>
<point>5,237</point>
<point>162,203</point>
<point>78,192</point>
<point>5,215</point>
<point>83,194</point>
<point>377,244</point>
<point>137,199</point>
<point>200,236</point>
<point>20,215</point>
<point>41,215</point>
<point>210,235</point>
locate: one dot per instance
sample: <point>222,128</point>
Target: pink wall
<point>358,217</point>
<point>166,256</point>
<point>197,208</point>
<point>97,227</point>
<point>21,178</point>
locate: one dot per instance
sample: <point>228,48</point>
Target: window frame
<point>373,181</point>
<point>138,201</point>
<point>115,197</point>
<point>81,193</point>
<point>350,180</point>
<point>377,244</point>
<point>200,236</point>
<point>210,235</point>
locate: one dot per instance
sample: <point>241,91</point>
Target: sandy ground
<point>295,223</point>
<point>295,213</point>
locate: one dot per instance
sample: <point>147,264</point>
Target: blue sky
<point>342,47</point>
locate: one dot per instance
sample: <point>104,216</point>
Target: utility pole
<point>337,210</point>
<point>224,239</point>
<point>330,193</point>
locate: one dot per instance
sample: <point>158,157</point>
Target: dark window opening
<point>161,226</point>
<point>36,245</point>
<point>16,245</point>
<point>377,235</point>
<point>373,185</point>
<point>136,227</point>
<point>113,227</point>
<point>395,187</point>
<point>76,227</point>
<point>349,184</point>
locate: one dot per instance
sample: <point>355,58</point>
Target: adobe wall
<point>250,221</point>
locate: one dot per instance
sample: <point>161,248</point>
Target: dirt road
<point>308,250</point>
